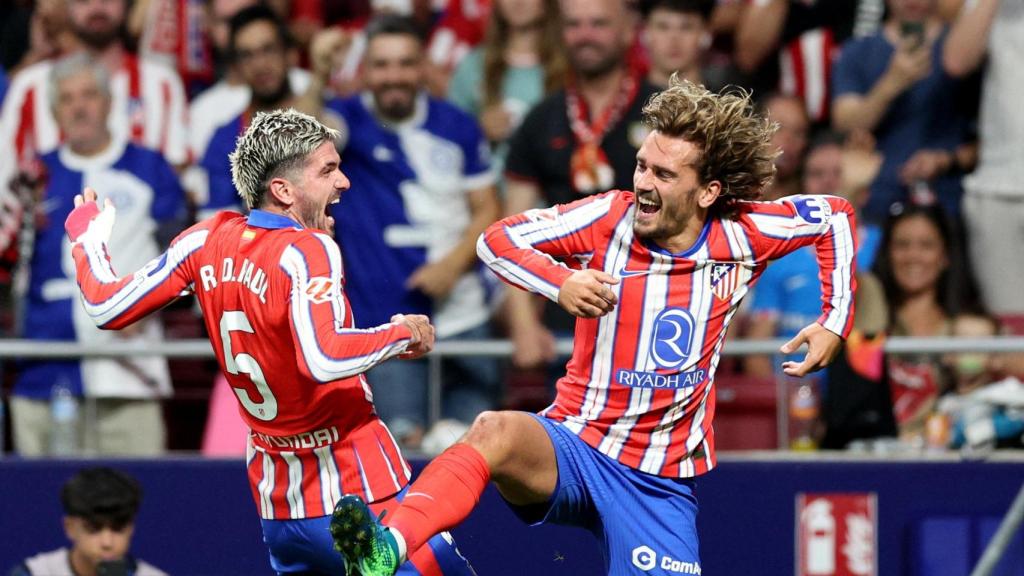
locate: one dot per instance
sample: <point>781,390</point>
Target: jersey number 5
<point>265,410</point>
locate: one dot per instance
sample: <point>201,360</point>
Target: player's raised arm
<point>523,249</point>
<point>114,302</point>
<point>829,223</point>
<point>331,347</point>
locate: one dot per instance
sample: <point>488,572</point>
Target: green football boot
<point>367,545</point>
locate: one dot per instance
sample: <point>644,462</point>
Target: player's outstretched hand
<point>822,347</point>
<point>422,334</point>
<point>87,218</point>
<point>586,294</point>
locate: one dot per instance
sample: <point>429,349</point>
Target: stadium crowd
<point>903,107</point>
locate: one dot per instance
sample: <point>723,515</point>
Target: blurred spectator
<point>520,61</point>
<point>823,165</point>
<point>100,505</point>
<point>309,17</point>
<point>790,45</point>
<point>148,99</point>
<point>174,32</point>
<point>422,192</point>
<point>583,139</point>
<point>14,25</point>
<point>125,391</point>
<point>791,140</point>
<point>229,97</point>
<point>34,30</point>
<point>455,31</point>
<point>921,273</point>
<point>983,411</point>
<point>676,34</point>
<point>892,84</point>
<point>857,400</point>
<point>576,142</point>
<point>260,47</point>
<point>994,203</point>
<point>3,84</point>
<point>459,29</point>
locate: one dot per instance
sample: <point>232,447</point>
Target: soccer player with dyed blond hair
<point>657,275</point>
<point>271,289</point>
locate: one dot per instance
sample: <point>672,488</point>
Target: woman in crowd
<point>922,275</point>
<point>520,61</point>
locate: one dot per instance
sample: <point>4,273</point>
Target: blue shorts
<point>305,546</point>
<point>644,522</point>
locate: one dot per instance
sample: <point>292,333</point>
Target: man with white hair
<point>148,100</point>
<point>125,392</point>
<point>270,288</point>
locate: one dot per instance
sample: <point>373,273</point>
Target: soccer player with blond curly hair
<point>654,277</point>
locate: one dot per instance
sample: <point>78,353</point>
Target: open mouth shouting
<point>647,209</point>
<point>328,218</point>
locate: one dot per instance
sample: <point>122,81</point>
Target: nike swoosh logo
<point>628,273</point>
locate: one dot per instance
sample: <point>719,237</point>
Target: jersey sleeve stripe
<point>511,247</point>
<point>99,262</point>
<point>334,260</point>
<point>152,276</point>
<point>839,297</point>
<point>566,223</point>
<point>782,228</point>
<point>517,275</point>
<point>322,366</point>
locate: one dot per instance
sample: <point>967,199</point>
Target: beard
<point>271,98</point>
<point>601,66</point>
<point>98,37</point>
<point>312,216</point>
<point>669,221</point>
<point>395,108</point>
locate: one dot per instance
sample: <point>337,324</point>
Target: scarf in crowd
<point>589,167</point>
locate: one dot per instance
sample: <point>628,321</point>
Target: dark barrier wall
<point>198,517</point>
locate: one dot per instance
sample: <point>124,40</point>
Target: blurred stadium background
<point>903,460</point>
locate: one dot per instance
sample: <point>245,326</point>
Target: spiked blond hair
<point>734,141</point>
<point>274,144</point>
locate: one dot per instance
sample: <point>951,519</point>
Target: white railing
<point>201,348</point>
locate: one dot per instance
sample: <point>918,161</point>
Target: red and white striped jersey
<point>273,303</point>
<point>639,387</point>
<point>148,108</point>
<point>805,70</point>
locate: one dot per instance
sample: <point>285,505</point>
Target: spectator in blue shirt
<point>893,85</point>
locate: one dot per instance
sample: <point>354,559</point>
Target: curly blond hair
<point>734,141</point>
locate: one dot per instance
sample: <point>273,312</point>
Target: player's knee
<point>488,434</point>
<point>487,425</point>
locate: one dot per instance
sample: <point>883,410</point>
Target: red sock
<point>442,497</point>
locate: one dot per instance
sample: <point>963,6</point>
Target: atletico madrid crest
<point>724,279</point>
